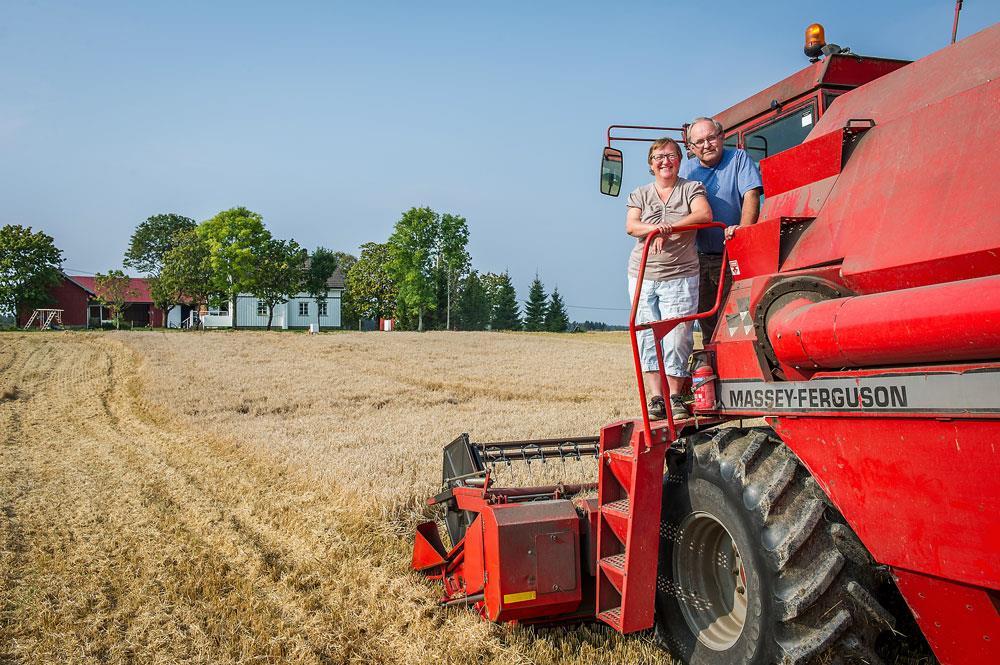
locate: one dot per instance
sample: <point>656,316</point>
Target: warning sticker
<point>743,305</point>
<point>732,323</point>
<point>807,119</point>
<point>734,267</point>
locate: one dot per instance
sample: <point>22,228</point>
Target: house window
<point>261,309</point>
<point>322,308</point>
<point>303,309</point>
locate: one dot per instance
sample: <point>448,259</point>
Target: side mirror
<point>611,172</point>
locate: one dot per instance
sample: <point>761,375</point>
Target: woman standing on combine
<point>670,283</point>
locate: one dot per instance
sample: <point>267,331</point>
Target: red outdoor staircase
<point>629,495</point>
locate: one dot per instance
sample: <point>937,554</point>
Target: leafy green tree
<point>235,238</point>
<point>372,288</point>
<point>491,284</point>
<point>412,247</point>
<point>152,239</point>
<point>114,290</point>
<point>345,261</point>
<point>186,274</point>
<point>29,267</point>
<point>534,307</point>
<point>147,249</point>
<point>454,256</point>
<point>277,273</point>
<point>163,299</point>
<point>436,316</point>
<point>322,265</point>
<point>505,313</point>
<point>556,319</point>
<point>348,310</point>
<point>473,305</point>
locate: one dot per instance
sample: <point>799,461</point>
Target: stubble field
<point>251,497</point>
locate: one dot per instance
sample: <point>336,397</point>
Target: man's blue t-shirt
<point>726,183</point>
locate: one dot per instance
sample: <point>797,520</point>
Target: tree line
<point>421,276</point>
<point>185,262</point>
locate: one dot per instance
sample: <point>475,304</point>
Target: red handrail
<point>663,327</point>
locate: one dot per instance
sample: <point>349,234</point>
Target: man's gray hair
<point>718,125</point>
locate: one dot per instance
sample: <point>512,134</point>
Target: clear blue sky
<point>331,118</point>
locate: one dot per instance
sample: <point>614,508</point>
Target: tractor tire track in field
<point>138,491</point>
<point>128,537</point>
<point>14,482</point>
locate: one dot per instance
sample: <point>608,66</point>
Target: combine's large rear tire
<point>756,567</point>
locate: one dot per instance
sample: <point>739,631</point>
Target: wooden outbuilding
<point>76,295</point>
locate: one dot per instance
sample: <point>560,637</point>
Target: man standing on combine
<point>733,183</point>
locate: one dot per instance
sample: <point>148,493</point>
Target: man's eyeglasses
<point>701,143</point>
<point>670,157</point>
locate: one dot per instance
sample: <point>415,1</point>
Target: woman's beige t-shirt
<point>679,257</point>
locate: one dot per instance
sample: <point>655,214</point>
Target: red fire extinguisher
<point>704,388</point>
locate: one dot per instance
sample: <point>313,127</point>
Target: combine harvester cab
<point>862,524</point>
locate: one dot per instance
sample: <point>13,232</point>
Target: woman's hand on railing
<point>660,239</point>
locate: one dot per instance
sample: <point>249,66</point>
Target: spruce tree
<point>506,314</point>
<point>556,319</point>
<point>473,306</point>
<point>534,307</point>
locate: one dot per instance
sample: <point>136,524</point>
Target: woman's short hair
<point>659,143</point>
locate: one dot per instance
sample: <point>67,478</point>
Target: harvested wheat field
<point>251,497</point>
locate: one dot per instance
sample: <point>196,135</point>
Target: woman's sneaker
<point>657,408</point>
<point>677,409</point>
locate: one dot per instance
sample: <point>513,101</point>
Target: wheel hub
<point>709,570</point>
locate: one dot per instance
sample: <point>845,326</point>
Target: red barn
<point>76,296</point>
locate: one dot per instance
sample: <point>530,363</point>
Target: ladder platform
<point>621,506</point>
<point>613,568</point>
<point>612,617</point>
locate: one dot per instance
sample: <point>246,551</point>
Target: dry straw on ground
<point>238,498</point>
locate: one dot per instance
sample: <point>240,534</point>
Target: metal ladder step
<point>612,617</point>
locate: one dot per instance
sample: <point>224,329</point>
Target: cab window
<point>783,133</point>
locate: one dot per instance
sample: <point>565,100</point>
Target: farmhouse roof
<point>139,285</point>
<point>336,280</point>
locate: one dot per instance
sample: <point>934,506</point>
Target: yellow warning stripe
<point>510,598</point>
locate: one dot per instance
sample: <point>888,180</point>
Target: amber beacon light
<point>815,41</point>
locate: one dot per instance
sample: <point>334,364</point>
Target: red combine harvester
<point>863,325</point>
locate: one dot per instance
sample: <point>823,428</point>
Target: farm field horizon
<point>251,497</point>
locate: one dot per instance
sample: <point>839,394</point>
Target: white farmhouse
<point>297,312</point>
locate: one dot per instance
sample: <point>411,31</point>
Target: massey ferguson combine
<point>863,326</point>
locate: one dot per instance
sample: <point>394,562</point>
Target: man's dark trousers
<point>709,266</point>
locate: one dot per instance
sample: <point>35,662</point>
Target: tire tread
<point>820,601</point>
